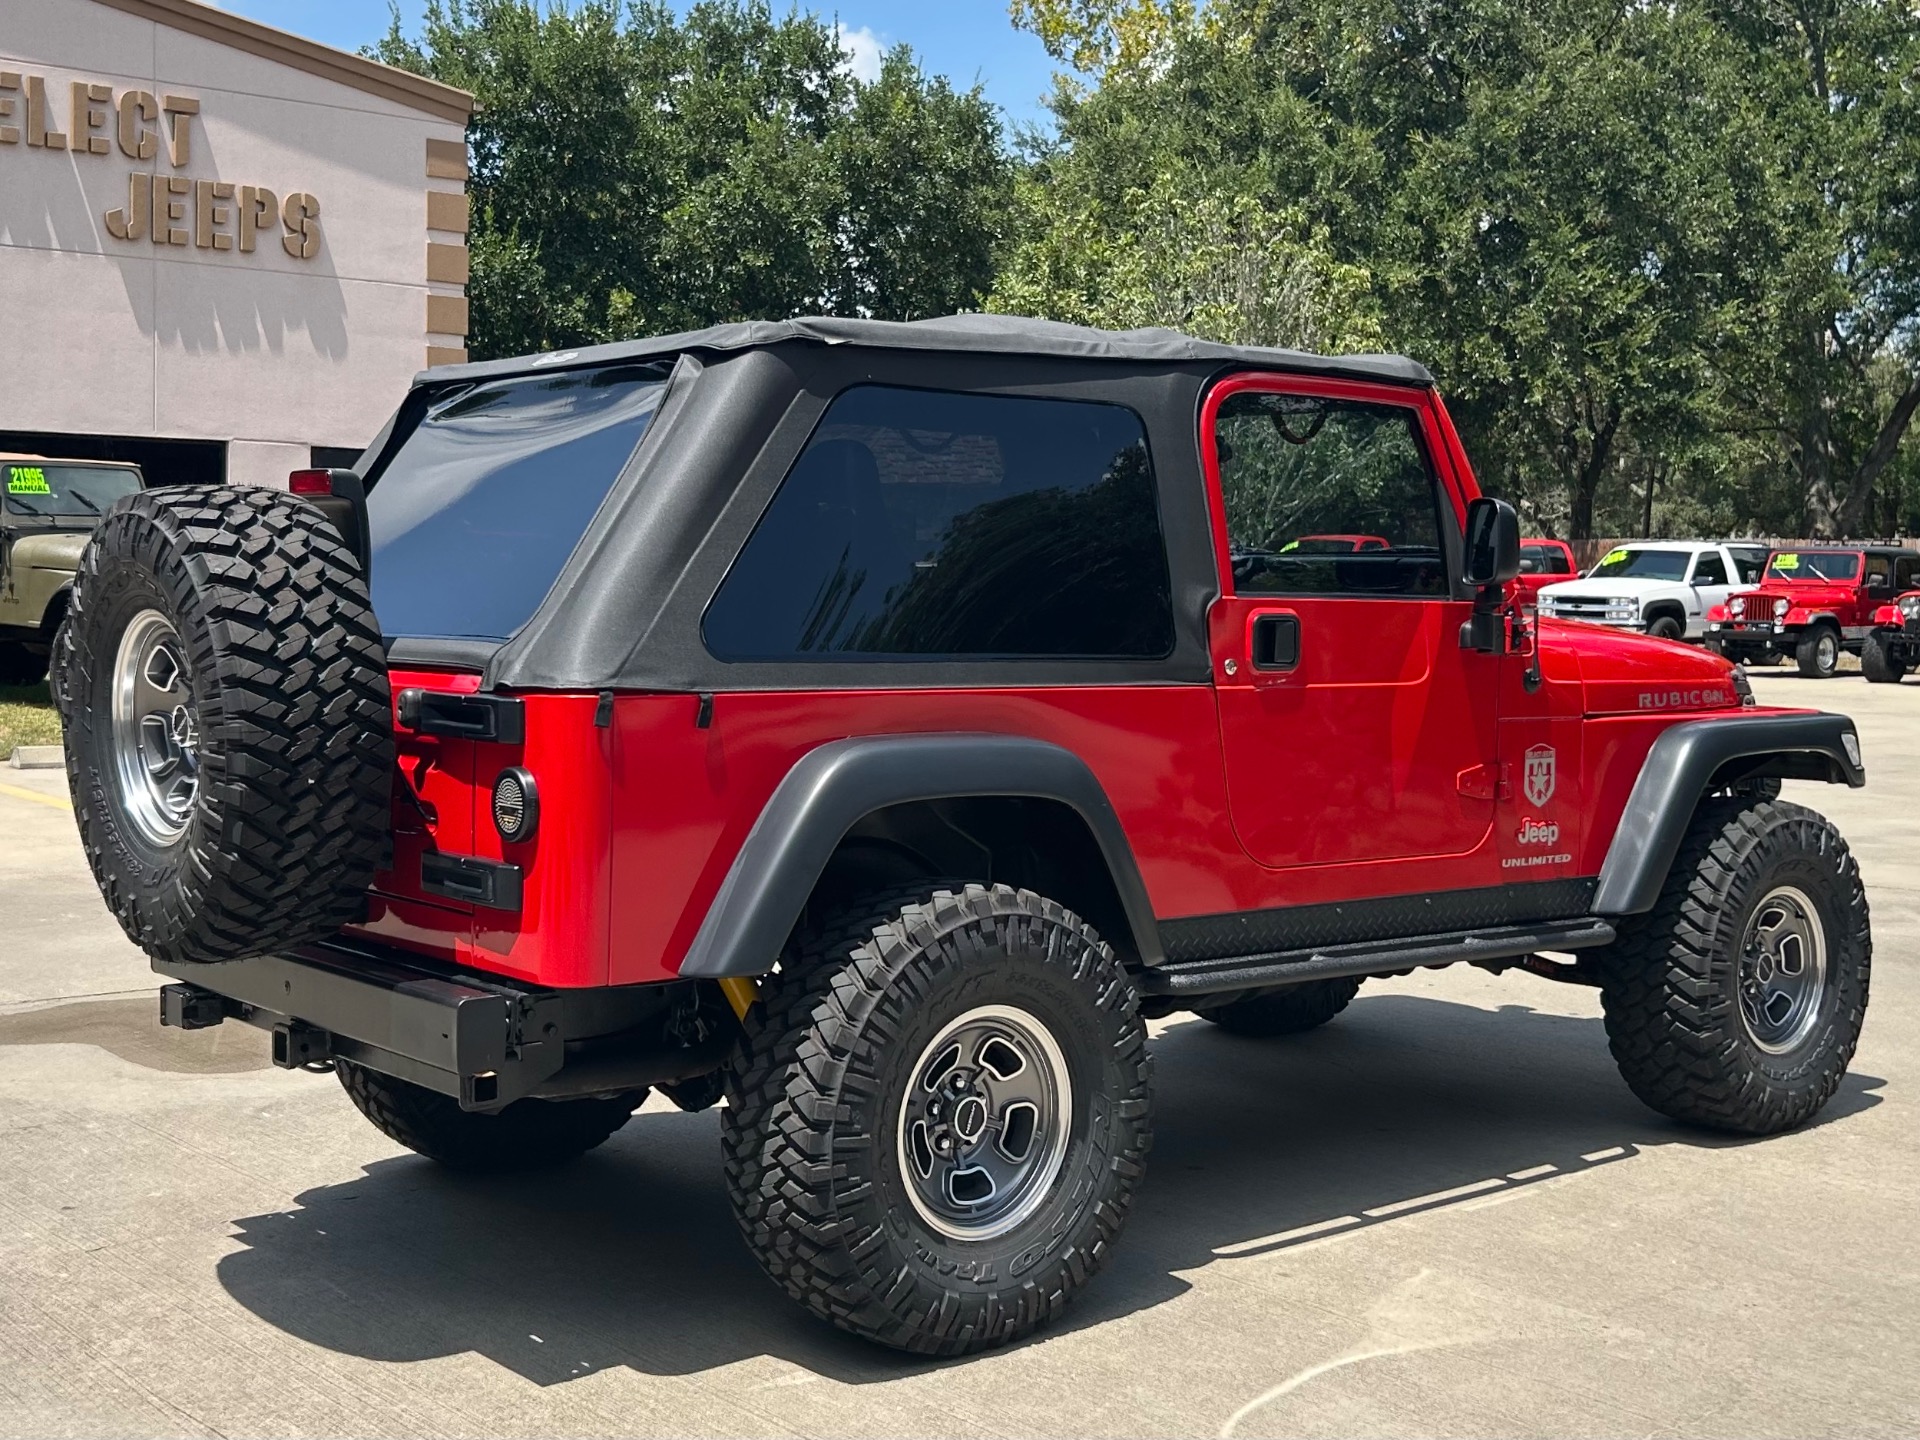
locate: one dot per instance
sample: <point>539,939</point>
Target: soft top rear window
<point>474,515</point>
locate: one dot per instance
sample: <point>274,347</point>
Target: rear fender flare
<point>1684,763</point>
<point>833,787</point>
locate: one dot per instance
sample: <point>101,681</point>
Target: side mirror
<point>1493,543</point>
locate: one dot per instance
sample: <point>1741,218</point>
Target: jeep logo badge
<point>1539,774</point>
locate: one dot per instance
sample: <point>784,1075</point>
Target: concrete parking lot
<point>1443,1214</point>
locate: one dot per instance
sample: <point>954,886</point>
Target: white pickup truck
<point>1660,587</point>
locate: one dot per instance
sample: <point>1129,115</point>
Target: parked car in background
<point>1813,604</point>
<point>1662,587</point>
<point>48,508</point>
<point>1543,563</point>
<point>1892,646</point>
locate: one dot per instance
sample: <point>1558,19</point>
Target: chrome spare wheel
<point>985,1123</point>
<point>156,733</point>
<point>1783,970</point>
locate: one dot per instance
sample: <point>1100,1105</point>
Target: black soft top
<point>967,334</point>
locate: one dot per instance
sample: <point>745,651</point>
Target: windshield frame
<point>18,505</point>
<point>1630,553</point>
<point>1852,577</point>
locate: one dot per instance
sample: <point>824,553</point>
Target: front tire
<point>1665,627</point>
<point>1286,1012</point>
<point>1877,665</point>
<point>1817,652</point>
<point>1736,1003</point>
<point>940,1117</point>
<point>526,1135</point>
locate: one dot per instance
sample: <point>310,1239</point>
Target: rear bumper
<point>481,1039</point>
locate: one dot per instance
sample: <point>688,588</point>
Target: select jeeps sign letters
<point>166,209</point>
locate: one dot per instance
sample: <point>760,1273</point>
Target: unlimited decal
<point>166,209</point>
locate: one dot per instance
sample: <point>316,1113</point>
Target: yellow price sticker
<point>1786,562</point>
<point>1613,555</point>
<point>27,480</point>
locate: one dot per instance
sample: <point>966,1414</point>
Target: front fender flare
<point>834,786</point>
<point>1682,765</point>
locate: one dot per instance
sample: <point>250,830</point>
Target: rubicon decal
<point>1540,774</point>
<point>1680,699</point>
<point>1537,832</point>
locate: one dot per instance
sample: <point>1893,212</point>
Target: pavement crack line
<point>58,802</point>
<point>1313,1372</point>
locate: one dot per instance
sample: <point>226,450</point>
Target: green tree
<point>636,172</point>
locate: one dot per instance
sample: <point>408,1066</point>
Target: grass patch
<point>27,717</point>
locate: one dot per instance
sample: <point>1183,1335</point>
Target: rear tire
<point>1877,665</point>
<point>1286,1012</point>
<point>940,1117</point>
<point>1817,652</point>
<point>1736,1002</point>
<point>526,1135</point>
<point>229,744</point>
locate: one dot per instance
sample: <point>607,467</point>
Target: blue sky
<point>966,40</point>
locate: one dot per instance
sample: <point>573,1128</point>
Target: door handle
<point>1273,643</point>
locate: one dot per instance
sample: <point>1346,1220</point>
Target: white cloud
<point>863,50</point>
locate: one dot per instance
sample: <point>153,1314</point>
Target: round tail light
<point>516,805</point>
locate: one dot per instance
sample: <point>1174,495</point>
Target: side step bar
<point>1290,967</point>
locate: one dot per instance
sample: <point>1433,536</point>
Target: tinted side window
<point>1906,572</point>
<point>923,524</point>
<point>1750,563</point>
<point>1327,497</point>
<point>1879,572</point>
<point>1708,569</point>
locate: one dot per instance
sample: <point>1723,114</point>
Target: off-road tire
<point>1811,654</point>
<point>287,681</point>
<point>526,1135</point>
<point>1670,983</point>
<point>1286,1012</point>
<point>1879,667</point>
<point>19,665</point>
<point>1665,627</point>
<point>813,1136</point>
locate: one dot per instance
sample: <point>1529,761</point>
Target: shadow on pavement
<point>630,1258</point>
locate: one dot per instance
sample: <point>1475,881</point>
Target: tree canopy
<point>1664,258</point>
<point>634,172</point>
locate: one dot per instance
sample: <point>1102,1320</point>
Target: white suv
<point>1663,587</point>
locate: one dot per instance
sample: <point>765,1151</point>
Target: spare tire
<point>228,728</point>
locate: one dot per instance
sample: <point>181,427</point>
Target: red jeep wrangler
<point>1892,646</point>
<point>876,725</point>
<point>1811,605</point>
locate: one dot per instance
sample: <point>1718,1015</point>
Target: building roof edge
<point>403,87</point>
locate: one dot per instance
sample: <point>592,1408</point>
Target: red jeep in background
<point>1892,646</point>
<point>1543,563</point>
<point>877,724</point>
<point>1812,605</point>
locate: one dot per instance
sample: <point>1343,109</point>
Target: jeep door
<point>1354,725</point>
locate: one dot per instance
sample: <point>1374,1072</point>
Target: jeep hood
<point>58,551</point>
<point>1627,674</point>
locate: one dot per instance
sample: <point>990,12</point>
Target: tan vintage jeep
<point>48,508</point>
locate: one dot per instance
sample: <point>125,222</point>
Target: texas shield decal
<point>1539,775</point>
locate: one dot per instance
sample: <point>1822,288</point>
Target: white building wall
<point>128,337</point>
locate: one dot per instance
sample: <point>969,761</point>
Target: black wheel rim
<point>984,1124</point>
